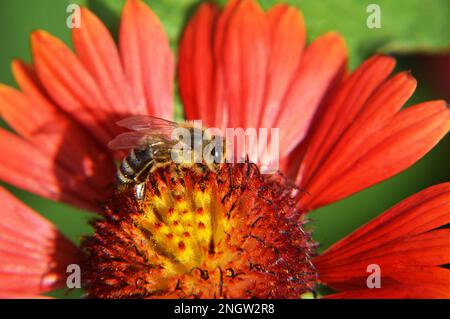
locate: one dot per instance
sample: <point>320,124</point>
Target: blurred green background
<point>416,31</point>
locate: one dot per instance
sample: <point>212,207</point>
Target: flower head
<point>231,232</point>
<point>204,234</point>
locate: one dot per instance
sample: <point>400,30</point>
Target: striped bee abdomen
<point>134,165</point>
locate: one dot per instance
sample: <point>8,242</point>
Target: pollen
<point>199,233</point>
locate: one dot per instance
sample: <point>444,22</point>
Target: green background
<point>408,26</point>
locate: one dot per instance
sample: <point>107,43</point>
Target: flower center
<point>230,233</point>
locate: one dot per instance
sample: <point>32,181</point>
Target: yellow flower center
<point>185,224</point>
<point>199,233</point>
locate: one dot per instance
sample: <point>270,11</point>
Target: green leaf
<point>19,18</point>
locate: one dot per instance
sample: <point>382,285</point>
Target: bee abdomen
<point>133,165</point>
<point>126,173</point>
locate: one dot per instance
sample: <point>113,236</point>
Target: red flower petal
<point>33,254</point>
<point>147,59</point>
<point>97,51</point>
<point>196,69</point>
<point>395,292</point>
<point>426,276</point>
<point>370,140</point>
<point>71,86</point>
<point>223,63</point>
<point>287,36</point>
<point>243,68</point>
<point>403,241</point>
<point>244,55</point>
<point>322,63</point>
<point>49,128</point>
<point>53,134</point>
<point>27,167</point>
<point>14,295</point>
<point>221,107</point>
<point>341,112</point>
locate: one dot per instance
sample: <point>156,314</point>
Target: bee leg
<point>139,191</point>
<point>140,180</point>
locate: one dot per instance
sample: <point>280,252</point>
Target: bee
<point>153,143</point>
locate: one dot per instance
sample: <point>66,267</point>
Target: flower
<point>225,233</point>
<point>238,67</point>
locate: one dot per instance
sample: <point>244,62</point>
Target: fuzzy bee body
<point>133,166</point>
<point>136,166</point>
<point>151,146</point>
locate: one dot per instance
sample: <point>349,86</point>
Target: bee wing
<point>128,140</point>
<point>152,124</point>
<point>148,130</point>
